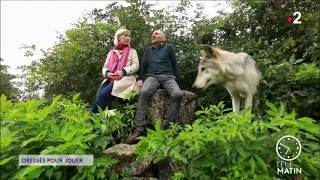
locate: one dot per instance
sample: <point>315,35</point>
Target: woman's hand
<point>118,75</point>
<point>115,76</point>
<point>110,75</point>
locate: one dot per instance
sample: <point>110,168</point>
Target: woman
<point>119,71</point>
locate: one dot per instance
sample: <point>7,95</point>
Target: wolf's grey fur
<point>237,72</point>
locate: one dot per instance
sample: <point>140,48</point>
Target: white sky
<point>36,22</point>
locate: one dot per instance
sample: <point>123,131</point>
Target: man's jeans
<point>150,85</point>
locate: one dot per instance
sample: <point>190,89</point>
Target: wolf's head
<point>211,69</point>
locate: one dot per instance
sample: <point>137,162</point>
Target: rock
<point>165,170</point>
<point>159,105</point>
<point>127,159</point>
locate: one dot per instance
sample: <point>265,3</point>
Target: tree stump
<point>159,105</point>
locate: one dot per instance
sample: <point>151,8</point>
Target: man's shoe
<point>133,137</point>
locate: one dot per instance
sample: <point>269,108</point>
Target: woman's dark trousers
<point>103,98</point>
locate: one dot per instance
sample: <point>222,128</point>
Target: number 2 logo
<point>296,20</point>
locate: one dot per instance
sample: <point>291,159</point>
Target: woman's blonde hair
<point>120,32</point>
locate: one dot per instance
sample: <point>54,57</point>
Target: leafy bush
<point>127,108</point>
<point>287,54</point>
<point>57,127</point>
<point>216,148</point>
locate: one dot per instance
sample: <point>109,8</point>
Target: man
<point>159,68</point>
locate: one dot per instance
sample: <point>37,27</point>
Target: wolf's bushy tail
<point>254,74</point>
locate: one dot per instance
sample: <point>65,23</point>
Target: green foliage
<point>127,109</point>
<point>215,147</point>
<point>7,87</point>
<point>56,127</point>
<point>34,80</point>
<point>287,54</point>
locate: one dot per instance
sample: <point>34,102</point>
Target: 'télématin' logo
<point>288,148</point>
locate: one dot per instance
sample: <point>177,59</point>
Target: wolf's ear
<point>207,50</point>
<point>215,53</point>
<point>211,52</point>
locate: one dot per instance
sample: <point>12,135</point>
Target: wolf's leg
<point>248,101</point>
<point>236,103</point>
<point>235,100</point>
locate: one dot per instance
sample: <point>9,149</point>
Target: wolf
<point>237,72</point>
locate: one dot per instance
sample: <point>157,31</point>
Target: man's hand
<point>139,83</point>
